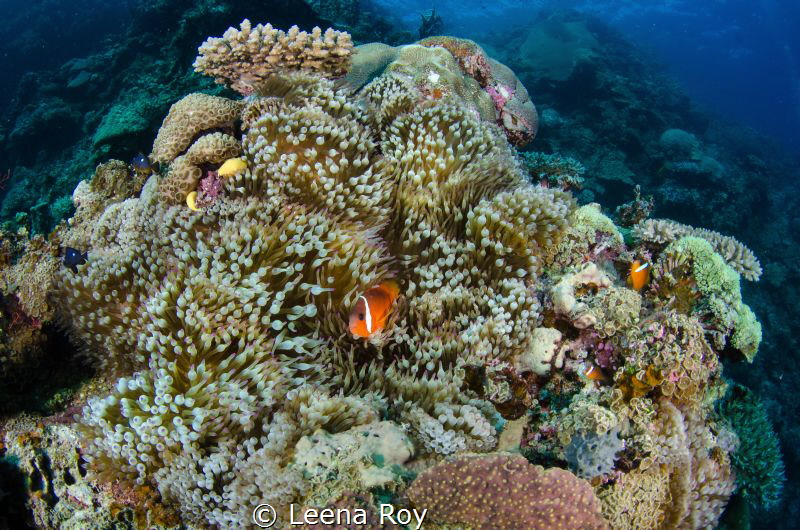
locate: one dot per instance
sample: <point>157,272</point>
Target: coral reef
<point>456,70</point>
<point>214,301</point>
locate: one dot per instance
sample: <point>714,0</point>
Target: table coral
<point>505,491</point>
<point>243,58</point>
<point>736,254</point>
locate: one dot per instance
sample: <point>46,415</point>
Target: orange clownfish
<point>372,309</point>
<point>594,373</point>
<point>639,274</point>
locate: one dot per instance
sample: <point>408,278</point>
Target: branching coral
<point>243,58</point>
<point>505,491</point>
<point>737,255</point>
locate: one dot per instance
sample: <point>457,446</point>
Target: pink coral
<point>210,189</point>
<point>505,491</point>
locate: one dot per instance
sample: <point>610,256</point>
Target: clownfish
<point>594,373</point>
<point>372,309</point>
<point>639,274</point>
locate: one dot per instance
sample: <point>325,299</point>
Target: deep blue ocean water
<point>740,58</point>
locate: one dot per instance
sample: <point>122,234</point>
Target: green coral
<point>758,461</point>
<point>747,333</point>
<point>718,285</point>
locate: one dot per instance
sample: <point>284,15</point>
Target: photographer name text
<point>344,516</point>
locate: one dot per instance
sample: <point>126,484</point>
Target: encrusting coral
<point>505,491</point>
<point>218,298</point>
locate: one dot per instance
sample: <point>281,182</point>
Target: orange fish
<point>639,274</point>
<point>594,373</point>
<point>372,309</point>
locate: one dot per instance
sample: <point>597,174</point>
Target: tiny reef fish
<point>639,274</point>
<point>191,201</point>
<point>141,165</point>
<point>594,373</point>
<point>231,167</point>
<point>74,257</point>
<point>372,309</point>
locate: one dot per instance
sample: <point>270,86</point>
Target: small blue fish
<point>74,257</point>
<point>141,164</point>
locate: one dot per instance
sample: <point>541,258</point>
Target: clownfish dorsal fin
<point>367,313</point>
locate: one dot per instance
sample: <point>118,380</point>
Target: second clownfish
<point>639,274</point>
<point>372,309</point>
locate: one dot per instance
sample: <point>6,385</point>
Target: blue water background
<point>739,58</point>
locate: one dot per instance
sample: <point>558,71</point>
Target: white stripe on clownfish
<point>367,314</point>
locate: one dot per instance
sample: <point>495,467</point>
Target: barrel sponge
<point>245,57</point>
<point>504,491</point>
<point>320,155</point>
<point>187,119</point>
<point>186,170</point>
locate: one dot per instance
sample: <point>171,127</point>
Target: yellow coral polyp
<point>231,167</point>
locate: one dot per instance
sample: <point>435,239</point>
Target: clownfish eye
<point>361,316</point>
